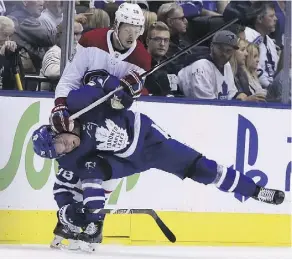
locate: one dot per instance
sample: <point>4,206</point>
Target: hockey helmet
<point>43,142</point>
<point>130,14</point>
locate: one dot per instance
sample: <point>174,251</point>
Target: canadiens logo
<point>112,137</point>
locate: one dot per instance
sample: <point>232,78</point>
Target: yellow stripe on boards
<point>190,228</point>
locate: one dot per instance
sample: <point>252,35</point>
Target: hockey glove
<point>132,83</point>
<point>59,118</point>
<point>120,99</point>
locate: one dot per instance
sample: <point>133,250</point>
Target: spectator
<point>159,83</point>
<point>278,34</point>
<point>7,48</point>
<point>241,76</point>
<point>98,19</point>
<point>211,77</point>
<point>264,24</point>
<point>150,18</point>
<point>173,16</point>
<point>52,16</point>
<point>275,89</point>
<point>238,30</point>
<point>251,65</point>
<point>52,59</point>
<point>31,34</point>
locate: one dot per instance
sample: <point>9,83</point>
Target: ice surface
<point>163,252</point>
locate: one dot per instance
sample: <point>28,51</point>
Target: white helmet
<point>130,14</point>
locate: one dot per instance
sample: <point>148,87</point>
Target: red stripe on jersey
<point>140,57</point>
<point>95,38</point>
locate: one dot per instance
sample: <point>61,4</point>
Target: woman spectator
<point>251,63</point>
<point>98,19</point>
<point>150,18</point>
<point>245,85</point>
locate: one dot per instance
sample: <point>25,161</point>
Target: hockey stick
<point>158,66</point>
<point>165,230</point>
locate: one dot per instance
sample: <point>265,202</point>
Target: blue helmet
<point>43,142</point>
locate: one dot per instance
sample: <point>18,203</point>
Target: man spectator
<point>7,49</point>
<point>30,33</point>
<point>264,24</point>
<point>52,59</point>
<point>211,77</point>
<point>159,83</point>
<point>173,16</point>
<point>52,15</point>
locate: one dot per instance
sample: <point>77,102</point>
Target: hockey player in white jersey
<point>116,51</point>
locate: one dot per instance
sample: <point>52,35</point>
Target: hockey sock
<point>93,198</point>
<point>226,179</point>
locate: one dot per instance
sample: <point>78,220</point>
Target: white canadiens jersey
<point>95,51</point>
<point>268,56</point>
<point>202,80</point>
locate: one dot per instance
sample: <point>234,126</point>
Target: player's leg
<point>66,192</point>
<point>184,162</point>
<point>92,233</point>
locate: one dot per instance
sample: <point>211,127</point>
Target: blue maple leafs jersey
<point>105,131</point>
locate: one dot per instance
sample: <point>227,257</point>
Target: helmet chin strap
<point>117,37</point>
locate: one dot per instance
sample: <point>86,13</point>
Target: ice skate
<point>62,233</point>
<point>269,195</point>
<point>91,237</point>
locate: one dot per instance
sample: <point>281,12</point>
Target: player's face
<point>65,143</point>
<point>128,34</point>
<point>241,54</point>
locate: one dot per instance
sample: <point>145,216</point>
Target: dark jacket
<point>159,82</point>
<point>241,82</point>
<point>163,82</point>
<point>7,65</point>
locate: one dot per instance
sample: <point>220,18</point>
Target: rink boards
<point>254,140</point>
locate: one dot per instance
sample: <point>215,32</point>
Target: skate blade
<point>88,247</point>
<point>58,243</point>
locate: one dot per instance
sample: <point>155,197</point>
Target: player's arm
<point>73,72</point>
<point>70,80</point>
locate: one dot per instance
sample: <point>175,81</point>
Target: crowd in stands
<point>240,62</point>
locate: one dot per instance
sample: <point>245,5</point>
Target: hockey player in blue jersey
<point>110,142</point>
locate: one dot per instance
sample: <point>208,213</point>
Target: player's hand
<point>59,119</point>
<point>82,18</point>
<point>132,83</point>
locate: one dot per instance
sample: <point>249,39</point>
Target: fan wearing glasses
<point>162,82</point>
<point>173,16</point>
